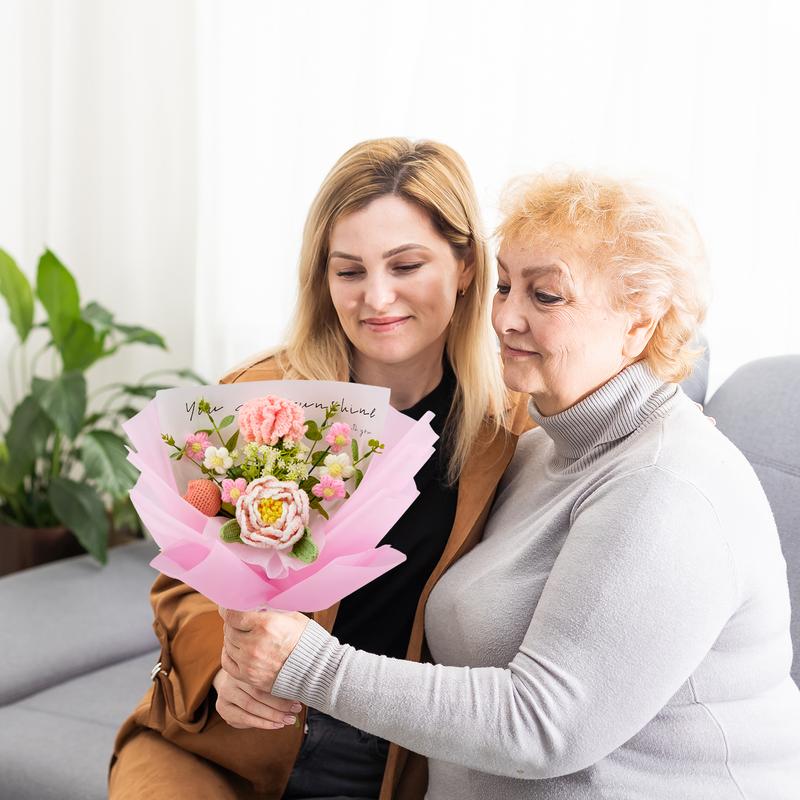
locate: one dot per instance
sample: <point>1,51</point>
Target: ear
<point>637,336</point>
<point>466,271</point>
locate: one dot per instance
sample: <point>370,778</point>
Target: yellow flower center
<point>234,493</point>
<point>270,511</point>
<point>340,440</point>
<point>328,492</point>
<point>335,470</point>
<point>196,447</point>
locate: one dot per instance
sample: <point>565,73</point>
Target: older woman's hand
<point>257,643</point>
<point>243,706</point>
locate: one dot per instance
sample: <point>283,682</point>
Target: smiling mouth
<point>513,352</point>
<point>384,324</point>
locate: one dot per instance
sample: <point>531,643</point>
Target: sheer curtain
<point>98,161</point>
<point>697,97</point>
<point>168,150</point>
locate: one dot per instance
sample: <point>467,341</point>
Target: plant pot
<point>21,548</point>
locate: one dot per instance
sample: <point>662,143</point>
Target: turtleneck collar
<point>608,414</point>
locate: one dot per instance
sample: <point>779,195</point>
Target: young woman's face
<point>394,281</point>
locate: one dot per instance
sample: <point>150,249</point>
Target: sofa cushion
<point>57,743</point>
<point>757,409</point>
<point>73,616</point>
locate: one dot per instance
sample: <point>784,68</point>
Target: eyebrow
<point>393,252</point>
<point>542,269</point>
<point>339,254</point>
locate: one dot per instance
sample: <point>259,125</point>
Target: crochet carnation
<point>267,420</point>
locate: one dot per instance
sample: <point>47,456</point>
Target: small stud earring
<point>462,292</point>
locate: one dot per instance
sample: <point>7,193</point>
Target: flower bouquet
<point>265,508</point>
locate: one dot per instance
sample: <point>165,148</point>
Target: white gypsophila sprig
<point>267,457</point>
<point>251,451</point>
<point>298,471</point>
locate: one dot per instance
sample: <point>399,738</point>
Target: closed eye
<point>548,299</point>
<point>408,267</point>
<point>349,273</point>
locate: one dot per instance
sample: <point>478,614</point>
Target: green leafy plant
<point>62,457</point>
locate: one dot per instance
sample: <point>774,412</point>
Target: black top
<point>378,617</point>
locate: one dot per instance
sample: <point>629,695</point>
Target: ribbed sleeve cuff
<point>308,673</point>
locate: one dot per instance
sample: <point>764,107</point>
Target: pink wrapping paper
<point>233,575</point>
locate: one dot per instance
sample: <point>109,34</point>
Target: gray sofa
<point>758,409</point>
<point>76,644</point>
<point>76,649</point>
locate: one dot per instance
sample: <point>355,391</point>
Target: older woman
<point>622,630</point>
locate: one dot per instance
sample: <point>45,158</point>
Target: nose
<point>379,292</point>
<point>508,314</point>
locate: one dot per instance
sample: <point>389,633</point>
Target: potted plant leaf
<point>64,476</point>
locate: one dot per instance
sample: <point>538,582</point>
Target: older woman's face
<point>560,337</point>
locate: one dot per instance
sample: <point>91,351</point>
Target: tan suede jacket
<point>190,631</point>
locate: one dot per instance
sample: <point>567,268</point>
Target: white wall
<point>168,149</point>
<point>699,97</point>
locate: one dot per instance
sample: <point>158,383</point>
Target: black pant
<point>337,762</point>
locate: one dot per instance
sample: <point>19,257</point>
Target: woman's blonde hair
<point>433,177</point>
<point>645,247</point>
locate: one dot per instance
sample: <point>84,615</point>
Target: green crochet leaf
<point>230,531</point>
<point>305,549</point>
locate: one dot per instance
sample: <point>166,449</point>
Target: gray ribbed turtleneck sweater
<point>622,631</point>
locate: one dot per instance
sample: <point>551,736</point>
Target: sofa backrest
<point>696,385</point>
<point>758,409</point>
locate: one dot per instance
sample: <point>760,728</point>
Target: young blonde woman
<point>394,291</point>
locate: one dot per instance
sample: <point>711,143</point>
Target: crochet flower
<point>338,466</point>
<point>204,496</point>
<point>329,488</point>
<point>196,446</point>
<point>272,513</point>
<point>217,460</point>
<point>267,420</point>
<point>338,437</point>
<point>232,490</point>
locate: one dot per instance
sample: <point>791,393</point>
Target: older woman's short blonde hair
<point>646,247</point>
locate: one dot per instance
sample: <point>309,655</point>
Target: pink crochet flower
<point>266,420</point>
<point>272,513</point>
<point>329,488</point>
<point>196,446</point>
<point>232,490</point>
<point>338,436</point>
